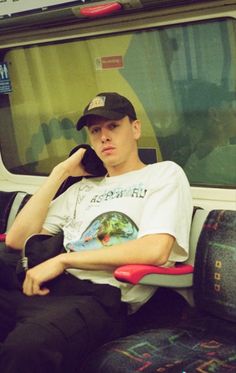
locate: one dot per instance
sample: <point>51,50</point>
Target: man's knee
<point>29,356</point>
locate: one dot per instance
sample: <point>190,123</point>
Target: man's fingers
<point>43,291</point>
<point>33,287</point>
<point>27,287</point>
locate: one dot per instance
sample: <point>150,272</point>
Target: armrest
<point>2,237</point>
<point>181,275</point>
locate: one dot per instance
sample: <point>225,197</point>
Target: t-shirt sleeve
<point>60,210</point>
<point>168,209</point>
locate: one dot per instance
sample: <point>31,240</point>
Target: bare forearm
<point>153,250</point>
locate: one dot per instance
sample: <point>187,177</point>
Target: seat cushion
<point>174,350</point>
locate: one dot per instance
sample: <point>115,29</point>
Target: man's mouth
<point>108,150</point>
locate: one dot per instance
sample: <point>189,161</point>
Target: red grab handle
<point>100,10</point>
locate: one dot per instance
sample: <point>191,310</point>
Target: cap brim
<point>100,113</point>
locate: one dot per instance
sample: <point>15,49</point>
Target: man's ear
<point>136,125</point>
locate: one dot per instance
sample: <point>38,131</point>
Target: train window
<point>180,78</point>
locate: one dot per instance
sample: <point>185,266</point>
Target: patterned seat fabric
<point>175,350</point>
<point>215,265</point>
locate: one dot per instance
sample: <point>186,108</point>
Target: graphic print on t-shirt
<point>107,229</point>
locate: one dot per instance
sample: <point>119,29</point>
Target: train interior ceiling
<point>173,59</point>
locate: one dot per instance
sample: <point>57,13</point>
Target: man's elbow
<point>12,243</point>
<point>160,260</point>
<point>156,257</point>
<point>160,247</point>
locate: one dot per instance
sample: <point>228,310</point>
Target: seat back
<point>148,155</point>
<point>10,204</point>
<point>198,220</point>
<point>214,282</point>
<point>6,201</point>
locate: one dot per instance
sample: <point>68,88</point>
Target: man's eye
<point>94,130</point>
<point>113,125</point>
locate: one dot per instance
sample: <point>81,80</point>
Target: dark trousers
<point>55,333</point>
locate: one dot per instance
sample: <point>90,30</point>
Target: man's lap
<point>67,322</point>
<point>97,306</point>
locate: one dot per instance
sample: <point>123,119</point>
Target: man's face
<point>114,141</point>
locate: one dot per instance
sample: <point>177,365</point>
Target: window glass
<point>181,80</point>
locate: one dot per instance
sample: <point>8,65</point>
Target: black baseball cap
<point>108,105</point>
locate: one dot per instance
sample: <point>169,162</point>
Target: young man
<point>137,213</point>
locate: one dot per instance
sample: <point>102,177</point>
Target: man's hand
<point>72,165</point>
<point>38,275</point>
<point>31,218</point>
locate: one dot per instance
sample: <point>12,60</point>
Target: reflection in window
<point>213,156</point>
<point>180,78</point>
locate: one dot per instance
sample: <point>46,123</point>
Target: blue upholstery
<point>215,265</point>
<point>174,350</point>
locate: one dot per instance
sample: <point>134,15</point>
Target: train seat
<point>179,277</point>
<point>205,341</point>
<point>10,204</point>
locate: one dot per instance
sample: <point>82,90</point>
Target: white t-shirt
<point>101,212</point>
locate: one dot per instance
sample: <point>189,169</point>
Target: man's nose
<point>105,135</point>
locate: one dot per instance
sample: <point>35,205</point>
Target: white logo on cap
<point>98,101</point>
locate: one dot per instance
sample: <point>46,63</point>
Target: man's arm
<point>31,218</point>
<point>152,249</point>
